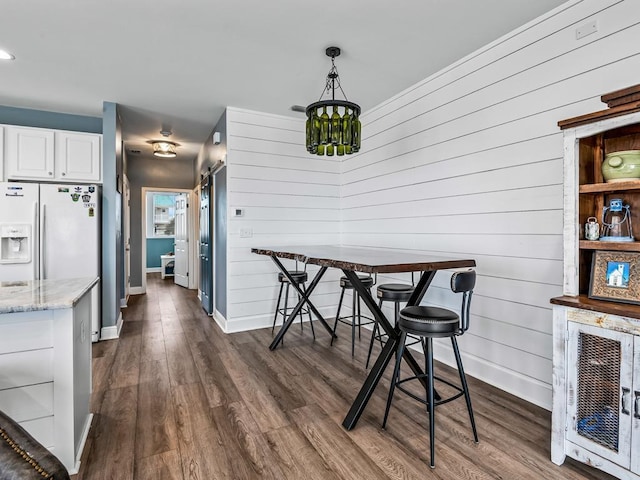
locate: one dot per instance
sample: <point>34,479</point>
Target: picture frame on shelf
<point>615,276</point>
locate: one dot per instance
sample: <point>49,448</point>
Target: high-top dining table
<point>365,260</point>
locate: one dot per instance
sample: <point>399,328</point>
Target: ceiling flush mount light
<point>164,149</point>
<point>338,133</point>
<point>4,55</point>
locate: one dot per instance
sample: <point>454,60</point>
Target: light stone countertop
<point>33,295</point>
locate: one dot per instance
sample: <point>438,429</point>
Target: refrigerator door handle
<point>34,242</point>
<point>43,271</point>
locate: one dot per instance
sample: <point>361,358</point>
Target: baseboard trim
<point>136,291</point>
<point>83,440</point>
<point>110,333</point>
<point>123,303</point>
<point>220,320</point>
<point>154,269</point>
<point>527,388</point>
<point>263,321</point>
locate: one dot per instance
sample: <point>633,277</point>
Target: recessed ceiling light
<point>4,55</point>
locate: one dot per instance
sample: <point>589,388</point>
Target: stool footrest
<point>303,310</point>
<point>424,401</point>
<point>369,320</point>
<point>383,336</point>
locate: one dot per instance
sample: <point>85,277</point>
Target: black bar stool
<point>345,284</point>
<point>300,278</point>
<point>389,292</point>
<point>429,323</point>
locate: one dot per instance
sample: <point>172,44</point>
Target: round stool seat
<point>298,277</point>
<point>429,321</point>
<point>395,292</point>
<point>366,281</point>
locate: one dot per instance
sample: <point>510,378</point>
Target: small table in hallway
<point>366,260</point>
<point>164,262</point>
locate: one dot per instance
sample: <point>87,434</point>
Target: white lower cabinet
<point>603,397</point>
<point>45,376</point>
<point>52,155</point>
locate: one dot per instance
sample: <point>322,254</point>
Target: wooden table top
<point>366,260</point>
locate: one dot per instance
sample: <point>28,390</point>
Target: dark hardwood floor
<point>175,398</point>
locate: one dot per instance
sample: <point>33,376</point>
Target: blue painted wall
<point>111,215</point>
<point>157,247</point>
<point>39,118</point>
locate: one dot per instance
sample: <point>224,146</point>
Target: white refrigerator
<point>51,231</point>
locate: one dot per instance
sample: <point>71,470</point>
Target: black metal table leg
<point>370,384</point>
<point>304,298</point>
<point>383,359</point>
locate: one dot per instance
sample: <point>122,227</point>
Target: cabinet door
<point>599,386</point>
<point>635,410</point>
<point>78,157</point>
<point>29,153</point>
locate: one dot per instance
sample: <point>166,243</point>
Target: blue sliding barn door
<point>206,270</point>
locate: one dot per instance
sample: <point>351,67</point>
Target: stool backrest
<point>464,282</point>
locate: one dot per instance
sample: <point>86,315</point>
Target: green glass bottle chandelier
<point>333,126</point>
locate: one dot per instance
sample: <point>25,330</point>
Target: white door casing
<point>181,249</point>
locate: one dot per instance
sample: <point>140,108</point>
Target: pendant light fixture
<point>333,126</point>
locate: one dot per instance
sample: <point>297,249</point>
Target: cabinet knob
<point>63,174</point>
<point>50,173</point>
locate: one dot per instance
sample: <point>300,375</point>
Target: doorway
<point>159,208</point>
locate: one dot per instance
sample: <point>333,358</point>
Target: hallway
<point>175,398</point>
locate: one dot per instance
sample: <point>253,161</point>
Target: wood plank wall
<point>288,197</point>
<point>466,163</point>
<point>469,163</point>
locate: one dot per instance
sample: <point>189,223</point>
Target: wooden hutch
<point>596,360</point>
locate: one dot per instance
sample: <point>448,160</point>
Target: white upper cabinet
<point>52,155</point>
<point>77,156</point>
<point>29,153</point>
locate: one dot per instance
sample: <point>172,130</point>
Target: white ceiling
<point>178,64</point>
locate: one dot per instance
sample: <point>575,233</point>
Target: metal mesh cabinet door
<point>600,366</point>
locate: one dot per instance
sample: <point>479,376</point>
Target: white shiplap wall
<point>469,163</point>
<point>288,197</point>
<point>466,163</point>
